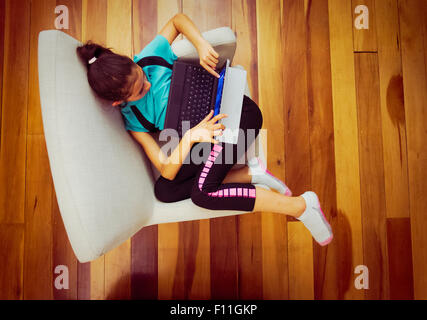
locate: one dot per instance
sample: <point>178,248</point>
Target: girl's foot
<point>261,175</point>
<point>314,219</point>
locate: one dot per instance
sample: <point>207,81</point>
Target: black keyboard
<point>197,96</point>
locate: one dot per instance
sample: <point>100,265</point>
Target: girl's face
<point>140,86</point>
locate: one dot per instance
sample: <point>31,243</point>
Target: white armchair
<point>103,181</point>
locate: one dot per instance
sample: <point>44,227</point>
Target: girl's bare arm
<point>180,23</point>
<point>169,166</point>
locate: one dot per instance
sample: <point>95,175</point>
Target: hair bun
<point>91,50</point>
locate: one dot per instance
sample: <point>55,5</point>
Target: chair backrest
<point>102,178</point>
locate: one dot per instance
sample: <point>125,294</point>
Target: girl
<point>142,94</point>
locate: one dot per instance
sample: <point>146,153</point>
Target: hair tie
<point>92,60</point>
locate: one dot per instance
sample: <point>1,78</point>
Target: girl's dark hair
<point>109,75</point>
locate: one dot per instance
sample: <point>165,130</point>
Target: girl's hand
<point>208,57</point>
<point>207,128</point>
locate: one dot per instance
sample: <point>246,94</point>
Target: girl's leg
<point>241,175</point>
<point>269,201</point>
<point>257,173</point>
<point>305,208</point>
<point>266,200</point>
<point>179,188</point>
<point>208,192</point>
<point>172,190</point>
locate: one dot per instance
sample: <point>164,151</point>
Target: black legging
<point>202,182</point>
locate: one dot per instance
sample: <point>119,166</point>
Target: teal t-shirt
<point>153,104</point>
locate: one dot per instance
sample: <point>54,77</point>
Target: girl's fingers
<point>209,69</point>
<point>217,133</point>
<point>213,59</point>
<point>210,114</point>
<point>218,126</point>
<point>210,63</point>
<point>214,141</point>
<point>218,117</point>
<point>214,53</point>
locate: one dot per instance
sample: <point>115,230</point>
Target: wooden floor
<point>346,113</point>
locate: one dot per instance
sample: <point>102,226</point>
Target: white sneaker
<point>314,219</point>
<point>261,175</point>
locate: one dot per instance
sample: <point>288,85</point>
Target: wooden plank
<point>224,260</point>
<point>171,256</point>
<point>144,273</point>
<point>271,99</point>
<point>38,265</point>
<point>415,96</point>
<point>348,229</point>
<point>300,244</point>
<point>322,162</point>
<point>2,27</point>
<point>97,279</point>
<point>118,260</point>
<point>42,18</point>
<point>117,272</point>
<point>424,14</point>
<point>38,278</point>
<point>250,256</point>
<point>392,109</point>
<point>274,256</point>
<point>297,163</point>
<point>223,236</point>
<point>208,15</point>
<point>196,244</point>
<point>144,270</point>
<point>184,261</point>
<point>171,283</point>
<point>249,226</point>
<point>365,40</point>
<point>83,276</point>
<point>14,111</point>
<point>400,258</point>
<point>245,27</point>
<point>144,21</point>
<point>12,251</point>
<point>94,26</point>
<point>372,175</point>
<point>62,252</point>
